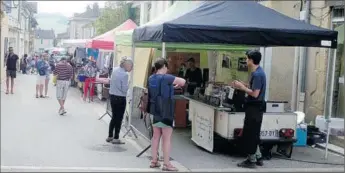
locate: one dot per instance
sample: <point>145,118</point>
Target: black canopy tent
<point>237,22</point>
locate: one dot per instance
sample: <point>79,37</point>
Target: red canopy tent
<point>106,40</point>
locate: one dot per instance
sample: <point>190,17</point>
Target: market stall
<point>105,44</point>
<point>234,25</point>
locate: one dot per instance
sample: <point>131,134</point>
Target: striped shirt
<point>63,71</point>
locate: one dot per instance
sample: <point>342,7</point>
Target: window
<point>337,16</point>
<point>41,41</point>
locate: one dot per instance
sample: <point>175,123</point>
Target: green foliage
<point>114,14</point>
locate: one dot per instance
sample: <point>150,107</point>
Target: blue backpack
<point>41,68</point>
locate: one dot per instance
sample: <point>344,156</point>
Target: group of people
<point>160,105</point>
<point>160,100</point>
<point>44,67</point>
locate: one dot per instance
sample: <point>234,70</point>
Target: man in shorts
<point>42,67</point>
<point>11,68</point>
<point>64,73</point>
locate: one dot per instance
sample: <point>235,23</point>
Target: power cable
<point>308,161</point>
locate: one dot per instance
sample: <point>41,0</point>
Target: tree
<point>114,14</point>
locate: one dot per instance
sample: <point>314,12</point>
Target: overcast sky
<point>66,8</point>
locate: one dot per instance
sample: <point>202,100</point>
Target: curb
<point>321,146</point>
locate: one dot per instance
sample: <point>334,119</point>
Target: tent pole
<point>163,51</point>
<point>294,80</point>
<point>130,95</point>
<point>329,94</point>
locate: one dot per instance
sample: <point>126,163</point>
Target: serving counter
<point>208,120</point>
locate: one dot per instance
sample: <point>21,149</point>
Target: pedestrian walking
<point>23,64</point>
<point>89,84</point>
<point>33,64</point>
<point>255,106</point>
<point>161,94</point>
<point>118,92</point>
<point>64,73</point>
<point>11,69</point>
<point>42,68</point>
<point>48,73</point>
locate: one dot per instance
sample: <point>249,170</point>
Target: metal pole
<point>130,94</point>
<point>302,72</point>
<point>294,81</point>
<point>163,50</point>
<point>329,95</point>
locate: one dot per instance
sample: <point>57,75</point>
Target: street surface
<point>35,138</point>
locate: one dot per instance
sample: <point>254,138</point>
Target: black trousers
<point>252,127</point>
<point>118,107</point>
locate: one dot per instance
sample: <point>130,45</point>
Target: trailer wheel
<point>285,149</point>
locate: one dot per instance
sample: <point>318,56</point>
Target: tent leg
<point>294,81</point>
<point>329,94</point>
<point>130,91</point>
<point>164,53</point>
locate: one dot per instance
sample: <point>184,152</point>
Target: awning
<point>106,40</point>
<point>235,22</point>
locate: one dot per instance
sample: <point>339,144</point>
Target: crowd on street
<point>159,101</point>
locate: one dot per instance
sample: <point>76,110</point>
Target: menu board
<point>202,125</point>
<point>233,66</point>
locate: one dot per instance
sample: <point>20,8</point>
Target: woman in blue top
<point>161,94</point>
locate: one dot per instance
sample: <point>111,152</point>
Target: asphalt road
<point>35,138</point>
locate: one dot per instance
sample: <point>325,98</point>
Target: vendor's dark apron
<point>252,125</point>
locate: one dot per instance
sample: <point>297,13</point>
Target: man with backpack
<point>42,67</point>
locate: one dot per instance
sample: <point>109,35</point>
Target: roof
<point>44,34</point>
<point>64,35</point>
<point>89,13</point>
<point>233,22</point>
<point>106,40</point>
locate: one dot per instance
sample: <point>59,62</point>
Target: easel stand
<point>106,113</point>
<point>142,152</point>
<point>107,110</point>
<point>130,129</point>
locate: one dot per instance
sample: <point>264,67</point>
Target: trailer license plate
<point>269,133</point>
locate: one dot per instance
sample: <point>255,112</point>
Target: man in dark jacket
<point>11,68</point>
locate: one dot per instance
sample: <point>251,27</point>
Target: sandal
<point>36,96</point>
<point>6,92</point>
<point>42,96</point>
<point>155,164</point>
<point>169,168</point>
